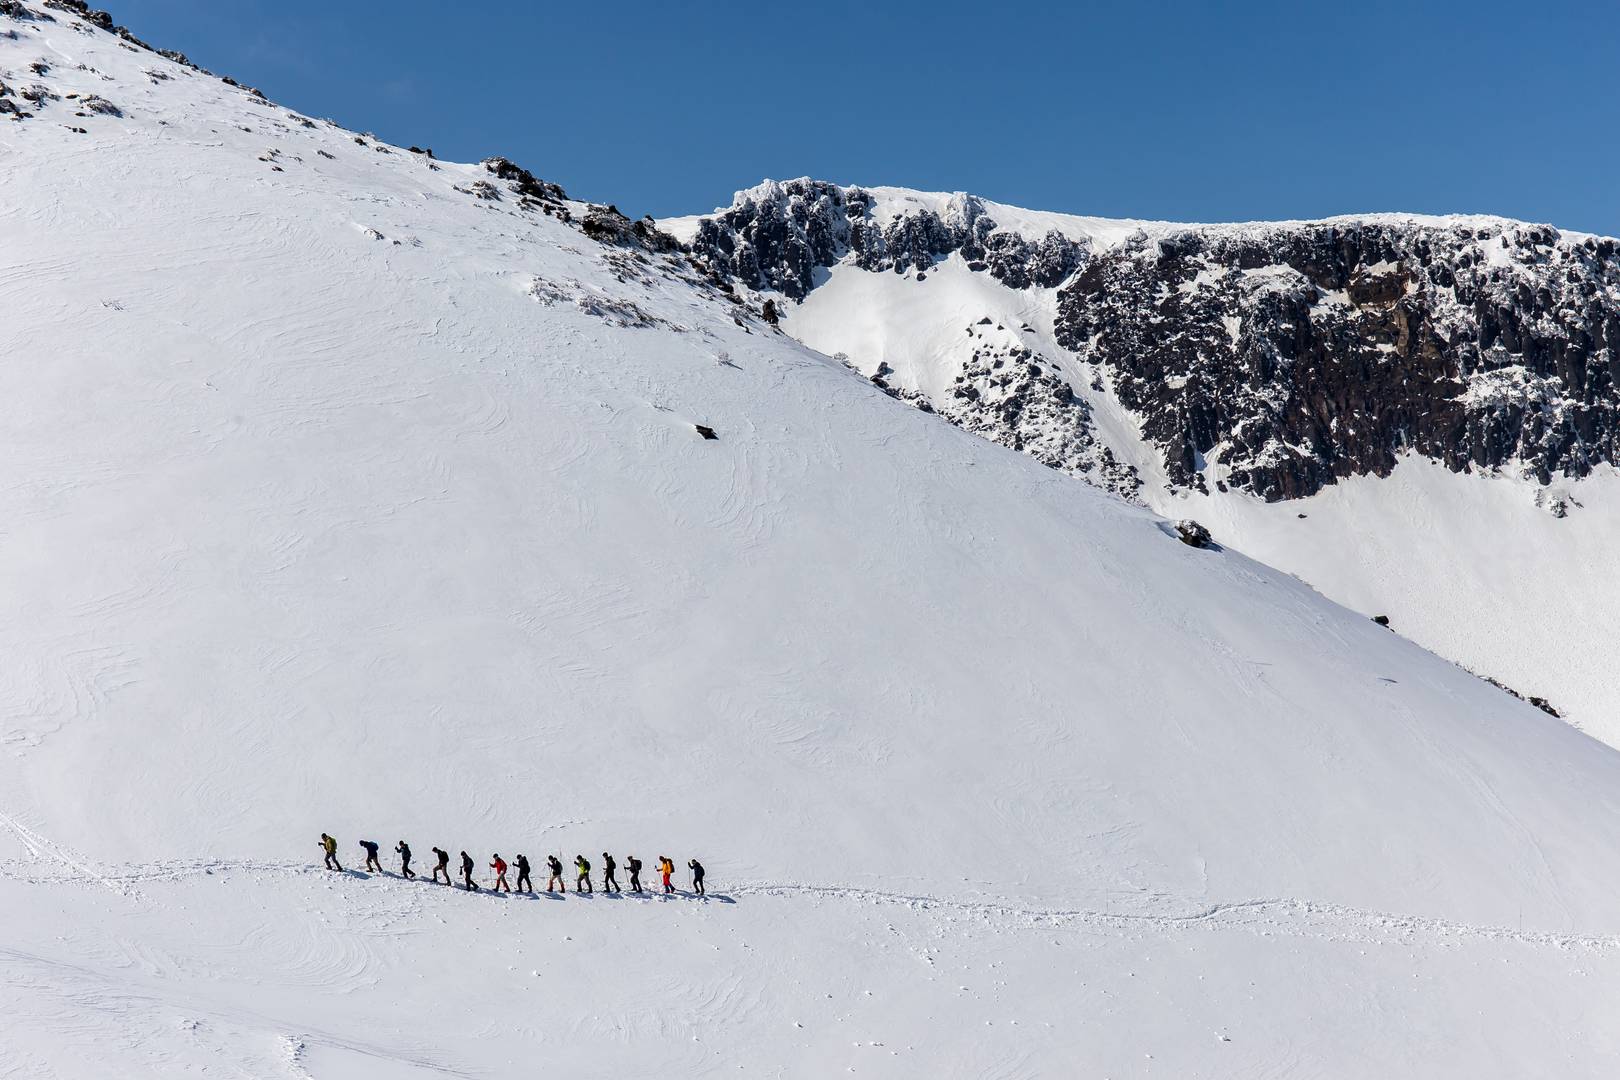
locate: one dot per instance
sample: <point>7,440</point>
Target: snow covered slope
<point>1236,373</point>
<point>353,491</point>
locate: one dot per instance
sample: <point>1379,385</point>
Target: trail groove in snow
<point>1290,916</point>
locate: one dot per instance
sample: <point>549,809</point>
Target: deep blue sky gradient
<point>1178,110</point>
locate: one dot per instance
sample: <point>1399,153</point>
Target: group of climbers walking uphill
<point>554,883</point>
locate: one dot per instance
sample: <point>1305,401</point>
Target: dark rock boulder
<point>1193,534</point>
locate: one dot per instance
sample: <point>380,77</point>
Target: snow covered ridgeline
<point>1283,355</point>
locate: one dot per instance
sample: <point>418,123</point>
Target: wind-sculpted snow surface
<point>342,497</point>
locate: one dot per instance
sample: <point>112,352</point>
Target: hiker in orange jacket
<point>666,867</point>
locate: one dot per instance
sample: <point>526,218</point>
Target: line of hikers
<point>582,867</point>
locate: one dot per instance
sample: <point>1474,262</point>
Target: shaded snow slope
<point>344,495</point>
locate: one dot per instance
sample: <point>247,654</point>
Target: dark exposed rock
<point>482,189</point>
<point>1381,620</point>
<point>607,225</point>
<point>96,104</point>
<point>83,11</point>
<point>777,235</point>
<point>38,95</point>
<point>769,313</point>
<point>1193,534</point>
<point>1293,355</point>
<point>1286,356</point>
<point>1539,702</point>
<point>706,431</point>
<point>8,104</point>
<point>522,180</point>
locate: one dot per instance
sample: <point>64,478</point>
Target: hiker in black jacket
<point>404,851</point>
<point>609,882</point>
<point>444,865</point>
<point>466,872</point>
<point>697,876</point>
<point>524,884</point>
<point>634,865</point>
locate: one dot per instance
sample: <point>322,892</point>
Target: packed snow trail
<point>1299,917</point>
<point>238,964</point>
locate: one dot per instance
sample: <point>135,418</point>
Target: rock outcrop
<point>1273,358</point>
<point>1290,355</point>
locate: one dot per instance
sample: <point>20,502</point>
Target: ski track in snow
<point>1267,915</point>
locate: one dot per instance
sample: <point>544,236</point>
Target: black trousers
<point>405,868</point>
<point>467,877</point>
<point>610,882</point>
<point>372,863</point>
<point>524,884</point>
<point>331,862</point>
<point>442,868</point>
<point>583,880</point>
<point>697,886</point>
<point>635,881</point>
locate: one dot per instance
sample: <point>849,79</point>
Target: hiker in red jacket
<point>499,866</point>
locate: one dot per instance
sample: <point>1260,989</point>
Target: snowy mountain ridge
<point>1275,357</point>
<point>354,491</point>
<point>1260,376</point>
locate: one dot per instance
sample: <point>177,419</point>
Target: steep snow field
<point>1468,565</point>
<point>1472,566</point>
<point>339,498</point>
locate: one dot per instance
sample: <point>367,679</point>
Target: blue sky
<point>1185,111</point>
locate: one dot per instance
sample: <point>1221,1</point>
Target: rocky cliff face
<point>1291,355</point>
<point>776,235</point>
<point>1273,357</point>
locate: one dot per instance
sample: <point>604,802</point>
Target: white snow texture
<point>338,498</point>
